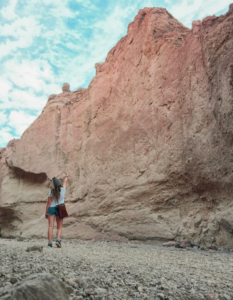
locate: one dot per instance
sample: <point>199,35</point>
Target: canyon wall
<point>148,145</point>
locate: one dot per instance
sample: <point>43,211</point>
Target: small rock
<point>197,220</point>
<point>69,289</point>
<point>195,245</point>
<point>35,248</point>
<point>89,291</point>
<point>208,297</point>
<point>189,248</point>
<point>82,283</point>
<point>186,243</point>
<point>170,244</point>
<point>21,238</point>
<point>179,246</point>
<point>72,283</point>
<point>101,291</point>
<point>130,293</point>
<point>226,297</point>
<point>140,289</point>
<point>160,296</point>
<point>213,247</point>
<point>226,250</point>
<point>13,280</point>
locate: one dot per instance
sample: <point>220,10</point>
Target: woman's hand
<point>65,181</point>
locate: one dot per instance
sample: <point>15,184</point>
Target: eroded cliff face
<point>148,145</point>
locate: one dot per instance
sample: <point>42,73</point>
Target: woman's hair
<point>56,192</point>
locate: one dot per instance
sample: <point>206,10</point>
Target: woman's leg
<point>51,220</point>
<point>59,227</point>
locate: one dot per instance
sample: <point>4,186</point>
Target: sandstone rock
<point>148,144</point>
<point>12,143</point>
<point>81,89</point>
<point>52,97</point>
<point>38,287</point>
<point>66,87</point>
<point>1,151</point>
<point>97,66</point>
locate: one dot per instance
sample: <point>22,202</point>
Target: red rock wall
<point>148,145</point>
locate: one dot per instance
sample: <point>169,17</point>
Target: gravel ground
<point>104,270</point>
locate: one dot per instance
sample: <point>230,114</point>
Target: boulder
<point>37,287</point>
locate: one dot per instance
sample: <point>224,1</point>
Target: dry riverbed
<point>104,270</point>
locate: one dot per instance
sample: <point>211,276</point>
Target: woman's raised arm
<point>65,181</point>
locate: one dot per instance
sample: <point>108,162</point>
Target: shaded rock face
<point>148,145</point>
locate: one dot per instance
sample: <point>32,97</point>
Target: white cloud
<point>24,100</point>
<point>187,11</point>
<point>5,87</point>
<point>5,136</point>
<point>34,74</point>
<point>3,118</point>
<point>19,121</point>
<point>23,30</point>
<point>22,83</point>
<point>8,11</point>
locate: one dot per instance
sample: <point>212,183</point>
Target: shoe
<point>58,243</point>
<point>50,245</point>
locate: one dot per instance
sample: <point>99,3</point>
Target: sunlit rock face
<point>148,145</point>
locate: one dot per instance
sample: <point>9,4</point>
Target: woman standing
<point>56,197</point>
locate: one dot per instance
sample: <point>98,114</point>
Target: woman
<point>56,196</point>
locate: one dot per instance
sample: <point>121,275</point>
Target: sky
<point>45,43</point>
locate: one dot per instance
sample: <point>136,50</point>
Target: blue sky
<point>44,43</point>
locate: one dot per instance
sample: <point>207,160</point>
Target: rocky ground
<point>104,270</point>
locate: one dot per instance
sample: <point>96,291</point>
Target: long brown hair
<point>56,192</point>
